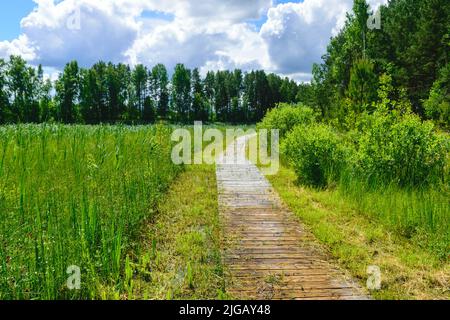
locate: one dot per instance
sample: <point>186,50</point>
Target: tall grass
<point>421,213</point>
<point>75,195</point>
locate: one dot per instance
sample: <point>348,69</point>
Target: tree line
<point>408,57</point>
<point>114,93</point>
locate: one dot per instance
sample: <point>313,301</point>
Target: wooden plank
<point>267,253</point>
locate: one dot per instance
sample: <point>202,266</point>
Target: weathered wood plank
<point>267,253</point>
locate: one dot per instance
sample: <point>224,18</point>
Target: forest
<point>116,93</point>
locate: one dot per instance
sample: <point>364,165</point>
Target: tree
<point>235,92</point>
<point>95,99</point>
<point>125,94</point>
<point>288,91</point>
<point>140,78</point>
<point>46,106</point>
<point>305,95</point>
<point>149,114</point>
<point>116,99</point>
<point>275,83</point>
<point>221,95</point>
<point>359,27</point>
<point>181,93</point>
<point>262,94</point>
<point>4,93</point>
<point>67,93</point>
<point>18,77</point>
<point>199,107</point>
<point>427,55</point>
<point>160,82</point>
<point>363,85</point>
<point>209,88</point>
<point>250,98</point>
<point>437,106</point>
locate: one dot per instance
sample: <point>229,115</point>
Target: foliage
<point>437,107</point>
<point>401,150</point>
<point>115,93</point>
<point>412,46</point>
<point>286,117</point>
<point>362,85</point>
<point>316,154</point>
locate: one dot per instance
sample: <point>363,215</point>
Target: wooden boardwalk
<point>267,253</point>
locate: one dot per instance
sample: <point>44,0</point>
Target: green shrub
<point>401,150</point>
<point>316,154</point>
<point>286,117</point>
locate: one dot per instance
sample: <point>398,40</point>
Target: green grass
<point>420,214</point>
<point>356,237</point>
<point>76,195</point>
<point>180,248</point>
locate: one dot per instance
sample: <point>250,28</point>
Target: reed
<point>76,195</point>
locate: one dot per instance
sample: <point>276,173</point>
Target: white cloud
<point>238,46</point>
<point>20,46</point>
<point>85,30</point>
<point>212,35</point>
<point>297,34</point>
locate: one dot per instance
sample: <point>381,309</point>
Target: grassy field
<point>109,200</point>
<point>179,253</point>
<point>76,196</point>
<point>356,238</point>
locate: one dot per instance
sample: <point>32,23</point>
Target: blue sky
<point>219,34</point>
<point>11,12</point>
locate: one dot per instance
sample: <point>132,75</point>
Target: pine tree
<point>362,86</point>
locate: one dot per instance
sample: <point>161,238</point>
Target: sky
<point>284,37</point>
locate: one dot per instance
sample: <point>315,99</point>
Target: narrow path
<point>267,252</point>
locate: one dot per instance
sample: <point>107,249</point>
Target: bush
<point>316,154</point>
<point>401,150</point>
<point>286,117</point>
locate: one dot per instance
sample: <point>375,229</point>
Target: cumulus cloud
<point>297,34</point>
<point>20,46</point>
<point>213,34</point>
<point>237,46</point>
<point>78,29</point>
